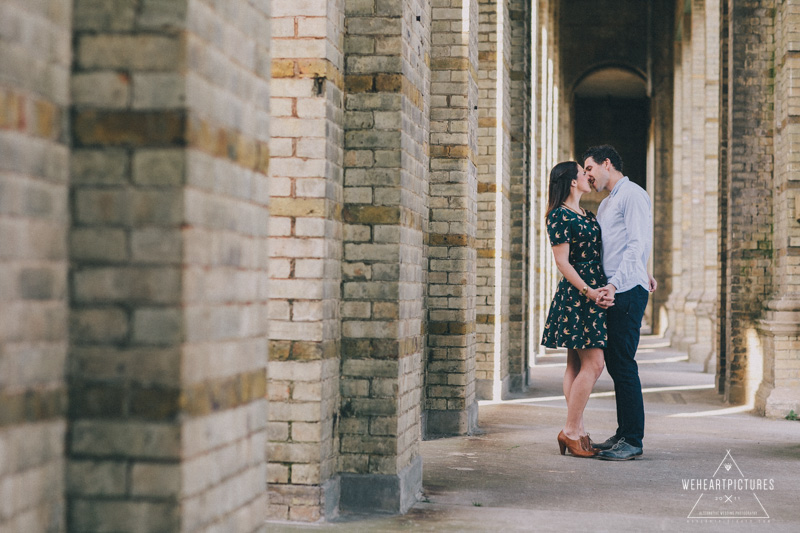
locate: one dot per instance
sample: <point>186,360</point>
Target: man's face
<point>582,181</point>
<point>597,173</point>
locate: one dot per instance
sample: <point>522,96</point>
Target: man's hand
<point>605,298</point>
<point>653,283</point>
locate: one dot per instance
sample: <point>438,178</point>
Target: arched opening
<point>610,106</point>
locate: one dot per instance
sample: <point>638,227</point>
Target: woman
<point>575,321</point>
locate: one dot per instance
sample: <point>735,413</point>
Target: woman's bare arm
<point>561,255</point>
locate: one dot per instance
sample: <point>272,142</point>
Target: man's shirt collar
<point>618,186</point>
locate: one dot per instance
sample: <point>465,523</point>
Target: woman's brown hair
<point>560,182</point>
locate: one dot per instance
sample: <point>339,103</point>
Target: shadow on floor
<point>510,476</point>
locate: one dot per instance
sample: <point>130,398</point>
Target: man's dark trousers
<point>624,323</point>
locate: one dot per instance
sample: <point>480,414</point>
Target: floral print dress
<point>574,321</point>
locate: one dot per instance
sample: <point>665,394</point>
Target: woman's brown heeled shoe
<point>576,447</point>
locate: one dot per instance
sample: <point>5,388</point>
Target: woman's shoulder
<point>560,213</point>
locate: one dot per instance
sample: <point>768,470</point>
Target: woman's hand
<point>603,297</point>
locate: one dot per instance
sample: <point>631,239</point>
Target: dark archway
<point>611,107</point>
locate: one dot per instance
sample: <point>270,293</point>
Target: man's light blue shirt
<point>627,231</point>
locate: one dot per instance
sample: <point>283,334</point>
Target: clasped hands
<point>605,296</point>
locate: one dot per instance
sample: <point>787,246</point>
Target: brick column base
<point>381,493</point>
<point>517,382</point>
<point>446,423</point>
<point>702,351</point>
<point>779,391</point>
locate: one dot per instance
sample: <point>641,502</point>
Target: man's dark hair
<point>601,153</point>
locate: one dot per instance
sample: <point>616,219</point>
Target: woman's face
<point>582,182</point>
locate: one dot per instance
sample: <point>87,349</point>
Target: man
<point>627,229</point>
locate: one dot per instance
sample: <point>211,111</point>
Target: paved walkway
<point>510,477</point>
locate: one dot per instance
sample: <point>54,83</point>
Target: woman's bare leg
<point>591,366</point>
<point>573,367</point>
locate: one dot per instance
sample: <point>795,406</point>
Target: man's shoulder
<point>635,191</point>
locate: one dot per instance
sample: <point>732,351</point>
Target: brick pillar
<point>749,182</point>
<point>700,125</point>
<point>451,407</point>
<point>520,116</point>
<point>683,302</point>
<point>694,180</point>
<point>544,140</point>
<point>704,349</point>
<point>662,100</point>
<point>387,81</point>
<point>539,286</point>
<point>701,206</point>
<point>305,257</point>
<point>780,328</point>
<point>35,52</point>
<point>494,221</point>
<point>722,236</point>
<point>691,127</point>
<point>535,220</point>
<point>674,303</point>
<point>168,281</point>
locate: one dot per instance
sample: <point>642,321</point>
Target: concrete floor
<point>510,477</point>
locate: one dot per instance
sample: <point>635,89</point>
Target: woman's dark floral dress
<point>574,321</point>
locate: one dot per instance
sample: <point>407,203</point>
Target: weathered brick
<point>101,89</point>
<point>115,515</point>
<point>155,480</point>
<point>109,51</point>
<point>96,478</point>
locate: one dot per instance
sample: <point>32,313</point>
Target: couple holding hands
<point>598,307</point>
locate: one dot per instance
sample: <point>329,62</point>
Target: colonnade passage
<point>253,253</point>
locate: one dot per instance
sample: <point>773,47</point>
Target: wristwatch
<point>585,290</point>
